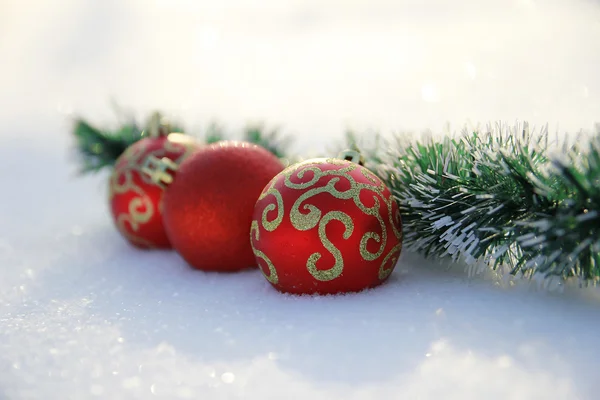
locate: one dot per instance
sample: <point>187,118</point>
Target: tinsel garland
<point>498,196</point>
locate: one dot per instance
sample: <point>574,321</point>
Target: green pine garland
<point>498,196</point>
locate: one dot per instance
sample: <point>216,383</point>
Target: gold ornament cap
<point>157,169</point>
<point>353,156</point>
<point>158,125</point>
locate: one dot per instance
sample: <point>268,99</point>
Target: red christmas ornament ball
<point>208,206</point>
<point>135,199</point>
<point>326,226</point>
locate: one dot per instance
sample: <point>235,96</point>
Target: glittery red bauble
<point>326,226</point>
<point>208,207</point>
<point>135,200</point>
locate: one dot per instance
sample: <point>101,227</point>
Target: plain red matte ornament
<point>326,226</point>
<point>135,199</point>
<point>208,207</point>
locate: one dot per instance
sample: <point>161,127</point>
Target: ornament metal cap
<point>158,125</point>
<point>157,169</point>
<point>352,156</point>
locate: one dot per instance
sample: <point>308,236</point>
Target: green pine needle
<point>214,133</point>
<point>498,196</point>
<point>269,139</point>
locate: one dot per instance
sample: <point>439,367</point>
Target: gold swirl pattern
<point>272,225</point>
<point>303,215</point>
<point>272,277</point>
<point>141,209</point>
<point>338,267</point>
<point>135,216</point>
<point>392,258</point>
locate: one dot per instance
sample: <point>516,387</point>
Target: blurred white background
<point>313,67</point>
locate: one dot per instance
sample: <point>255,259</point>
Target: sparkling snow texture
<point>84,315</point>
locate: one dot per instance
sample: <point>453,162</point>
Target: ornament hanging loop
<point>157,170</point>
<point>352,156</point>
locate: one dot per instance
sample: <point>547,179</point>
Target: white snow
<point>83,315</point>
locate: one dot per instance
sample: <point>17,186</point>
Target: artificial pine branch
<point>499,197</point>
<point>100,148</point>
<point>214,133</point>
<point>270,140</point>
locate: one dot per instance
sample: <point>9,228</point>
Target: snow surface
<point>83,315</point>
